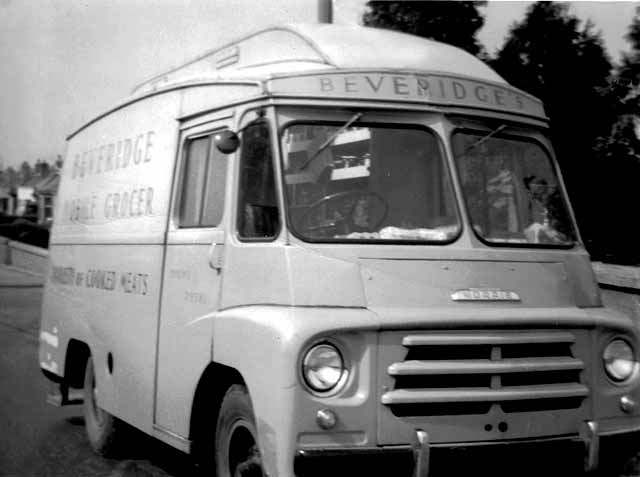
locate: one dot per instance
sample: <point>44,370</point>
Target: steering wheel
<point>354,214</point>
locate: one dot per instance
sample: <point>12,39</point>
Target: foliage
<point>57,164</point>
<point>8,177</point>
<point>455,23</point>
<point>25,173</point>
<point>42,168</point>
<point>619,155</point>
<point>623,143</point>
<point>551,57</point>
<point>629,71</point>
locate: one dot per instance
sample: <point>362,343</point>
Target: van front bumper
<point>589,451</point>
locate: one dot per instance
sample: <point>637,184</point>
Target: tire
<point>236,440</point>
<point>102,428</point>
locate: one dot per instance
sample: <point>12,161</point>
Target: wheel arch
<point>212,386</point>
<point>78,352</point>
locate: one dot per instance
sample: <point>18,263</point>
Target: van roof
<point>307,47</point>
<point>268,59</point>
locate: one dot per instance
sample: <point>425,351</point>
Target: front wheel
<point>102,428</point>
<point>236,442</point>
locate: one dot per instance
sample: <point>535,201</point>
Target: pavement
<point>12,277</point>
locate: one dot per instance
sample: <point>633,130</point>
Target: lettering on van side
<point>127,152</point>
<point>131,283</point>
<point>195,297</point>
<point>63,275</point>
<point>122,204</point>
<point>134,283</point>
<point>80,209</point>
<point>102,279</point>
<point>129,203</point>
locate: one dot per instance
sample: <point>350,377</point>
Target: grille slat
<point>484,366</point>
<point>486,339</point>
<point>468,372</point>
<point>458,395</point>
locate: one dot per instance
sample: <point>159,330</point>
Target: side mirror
<point>226,141</point>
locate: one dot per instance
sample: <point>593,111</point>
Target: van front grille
<point>469,372</point>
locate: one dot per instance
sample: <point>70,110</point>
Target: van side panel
<point>116,179</point>
<point>107,249</point>
<point>112,306</point>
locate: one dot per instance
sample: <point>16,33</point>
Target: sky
<point>64,61</point>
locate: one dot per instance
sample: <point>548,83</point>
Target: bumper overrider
<point>589,451</point>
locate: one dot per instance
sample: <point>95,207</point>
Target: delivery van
<point>322,246</point>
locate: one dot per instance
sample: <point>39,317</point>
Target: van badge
<point>484,294</point>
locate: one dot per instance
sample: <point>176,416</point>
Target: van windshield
<point>511,190</point>
<point>360,183</point>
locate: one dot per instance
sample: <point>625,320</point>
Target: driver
<point>541,228</point>
<point>360,217</point>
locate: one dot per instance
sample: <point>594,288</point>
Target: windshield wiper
<point>483,139</point>
<point>329,141</point>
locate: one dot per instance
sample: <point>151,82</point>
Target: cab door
<point>191,277</point>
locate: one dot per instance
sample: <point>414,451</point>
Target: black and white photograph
<point>319,238</point>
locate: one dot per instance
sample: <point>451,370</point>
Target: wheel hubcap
<point>244,456</point>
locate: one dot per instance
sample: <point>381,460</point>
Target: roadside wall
<point>23,256</point>
<point>5,252</point>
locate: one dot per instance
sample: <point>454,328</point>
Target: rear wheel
<point>102,428</point>
<point>236,442</point>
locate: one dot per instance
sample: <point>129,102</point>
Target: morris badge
<point>484,294</point>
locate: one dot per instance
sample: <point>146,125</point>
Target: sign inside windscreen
<point>431,88</point>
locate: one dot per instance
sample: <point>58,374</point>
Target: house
<point>33,199</point>
<point>26,200</point>
<point>45,191</point>
<point>7,201</point>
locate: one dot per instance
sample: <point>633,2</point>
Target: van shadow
<point>141,455</point>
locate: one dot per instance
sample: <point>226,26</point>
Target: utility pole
<point>325,11</point>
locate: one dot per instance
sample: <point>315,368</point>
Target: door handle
<point>216,256</point>
<point>216,251</point>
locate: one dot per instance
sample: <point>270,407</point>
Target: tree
<point>629,71</point>
<point>550,55</point>
<point>58,162</point>
<point>25,173</point>
<point>42,168</point>
<point>623,142</point>
<point>11,179</point>
<point>619,155</point>
<point>455,23</point>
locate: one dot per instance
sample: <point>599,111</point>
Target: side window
<point>203,184</point>
<point>258,215</point>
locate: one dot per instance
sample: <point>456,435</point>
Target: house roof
<point>48,185</point>
<point>31,182</point>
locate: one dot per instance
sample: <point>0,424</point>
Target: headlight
<point>618,360</point>
<point>323,367</point>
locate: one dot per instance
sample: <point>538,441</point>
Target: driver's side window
<point>258,215</point>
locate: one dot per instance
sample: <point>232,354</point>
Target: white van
<point>325,244</point>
